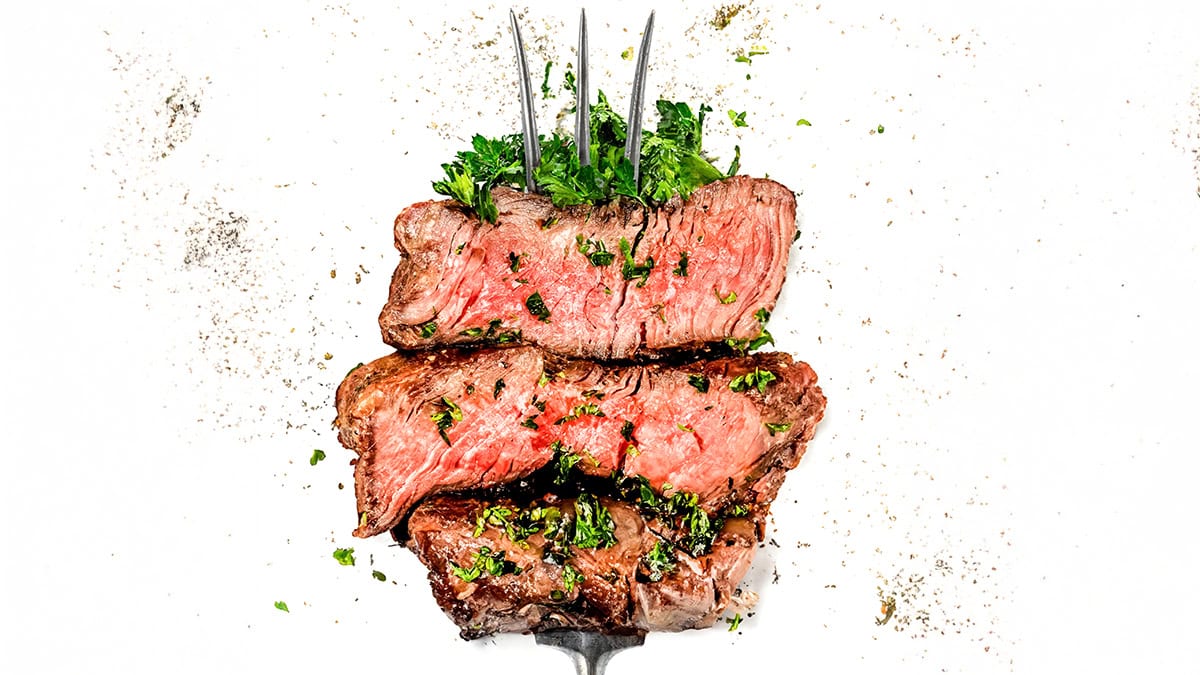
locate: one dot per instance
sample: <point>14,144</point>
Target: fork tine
<point>633,129</point>
<point>533,150</point>
<point>583,127</point>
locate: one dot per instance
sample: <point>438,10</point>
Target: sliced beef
<point>606,590</point>
<point>517,409</point>
<point>557,278</point>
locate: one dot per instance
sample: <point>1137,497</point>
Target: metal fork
<point>590,652</point>
<point>583,136</point>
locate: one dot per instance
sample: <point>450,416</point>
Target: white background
<point>999,293</point>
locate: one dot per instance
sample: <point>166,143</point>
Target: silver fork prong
<point>533,149</point>
<point>633,129</point>
<point>583,126</point>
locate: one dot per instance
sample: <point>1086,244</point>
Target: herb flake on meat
<point>447,414</point>
<point>485,562</point>
<point>659,561</point>
<point>594,527</point>
<point>699,381</point>
<point>595,251</point>
<point>630,270</point>
<point>755,379</point>
<point>428,328</point>
<point>537,307</point>
<point>681,270</point>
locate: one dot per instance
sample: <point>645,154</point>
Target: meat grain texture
<point>717,258</point>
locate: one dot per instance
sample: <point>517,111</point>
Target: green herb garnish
<point>630,270</point>
<point>581,410</point>
<point>379,576</point>
<point>529,423</point>
<point>344,556</point>
<point>497,389</point>
<point>485,562</point>
<point>699,381</point>
<point>564,461</point>
<point>803,123</point>
<point>428,328</point>
<point>537,307</point>
<point>594,526</point>
<point>725,299</point>
<point>317,456</point>
<point>681,270</point>
<point>627,431</point>
<point>659,561</point>
<point>571,577</point>
<point>777,427</point>
<point>282,606</point>
<point>445,417</point>
<point>734,622</point>
<point>546,93</point>
<point>738,118</point>
<point>756,378</point>
<point>672,161</point>
<point>594,250</point>
<point>514,261</point>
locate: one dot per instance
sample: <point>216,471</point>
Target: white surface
<point>999,293</point>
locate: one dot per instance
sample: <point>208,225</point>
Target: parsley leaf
<point>344,556</point>
<point>734,622</point>
<point>379,576</point>
<point>681,270</point>
<point>777,427</point>
<point>595,251</point>
<point>445,417</point>
<point>659,561</point>
<point>428,328</point>
<point>317,456</point>
<point>537,307</point>
<point>282,606</point>
<point>564,462</point>
<point>485,562</point>
<point>497,389</point>
<point>581,410</point>
<point>546,93</point>
<point>699,381</point>
<point>738,118</point>
<point>803,123</point>
<point>594,526</point>
<point>571,577</point>
<point>726,299</point>
<point>630,270</point>
<point>756,378</point>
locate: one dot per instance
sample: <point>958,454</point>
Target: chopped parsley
<point>734,622</point>
<point>748,57</point>
<point>680,511</point>
<point>344,556</point>
<point>725,299</point>
<point>736,164</point>
<point>630,270</point>
<point>738,118</point>
<point>594,526</point>
<point>659,561</point>
<point>744,345</point>
<point>546,92</point>
<point>803,123</point>
<point>684,428</point>
<point>777,427</point>
<point>529,422</point>
<point>737,510</point>
<point>514,261</point>
<point>518,524</point>
<point>428,328</point>
<point>447,414</point>
<point>492,333</point>
<point>564,461</point>
<point>581,410</point>
<point>699,381</point>
<point>282,606</point>
<point>594,250</point>
<point>627,431</point>
<point>879,129</point>
<point>681,270</point>
<point>537,307</point>
<point>379,576</point>
<point>317,456</point>
<point>485,562</point>
<point>571,577</point>
<point>497,389</point>
<point>757,378</point>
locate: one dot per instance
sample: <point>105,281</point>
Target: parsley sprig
<point>672,163</point>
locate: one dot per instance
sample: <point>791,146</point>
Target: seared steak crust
<point>516,407</point>
<point>717,258</point>
<point>613,594</point>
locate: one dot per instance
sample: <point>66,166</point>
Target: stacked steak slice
<point>543,484</point>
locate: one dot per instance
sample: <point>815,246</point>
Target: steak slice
<point>697,272</point>
<point>608,590</point>
<point>451,420</point>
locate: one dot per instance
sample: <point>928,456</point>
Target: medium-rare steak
<point>723,430</point>
<point>602,282</point>
<point>490,579</point>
